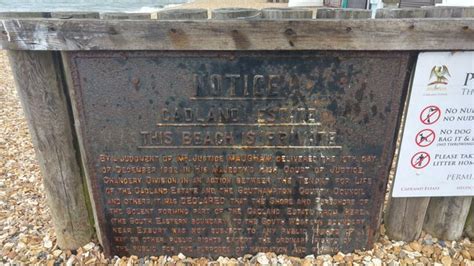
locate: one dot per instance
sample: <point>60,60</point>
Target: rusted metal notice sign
<point>228,153</point>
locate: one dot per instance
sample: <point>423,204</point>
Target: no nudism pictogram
<point>430,115</point>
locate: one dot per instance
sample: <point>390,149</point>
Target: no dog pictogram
<point>430,115</point>
<point>420,160</point>
<point>425,137</point>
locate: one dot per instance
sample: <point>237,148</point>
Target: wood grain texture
<point>469,227</point>
<point>25,14</point>
<point>363,34</point>
<point>400,13</point>
<point>182,14</point>
<point>235,13</point>
<point>404,217</point>
<point>80,138</point>
<point>449,12</point>
<point>343,13</point>
<point>287,13</point>
<point>42,95</point>
<point>75,15</point>
<point>446,217</point>
<point>123,15</point>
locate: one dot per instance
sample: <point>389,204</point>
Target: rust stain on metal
<point>228,153</point>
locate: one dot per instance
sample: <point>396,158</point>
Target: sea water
<point>87,5</point>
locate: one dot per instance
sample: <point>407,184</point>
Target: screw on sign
<point>420,160</point>
<point>430,115</point>
<point>425,137</point>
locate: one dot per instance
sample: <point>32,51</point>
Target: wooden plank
<point>446,217</point>
<point>363,34</point>
<point>42,95</point>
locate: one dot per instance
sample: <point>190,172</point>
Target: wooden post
<point>40,88</point>
<point>446,217</point>
<point>287,13</point>
<point>181,14</point>
<point>343,13</point>
<point>236,13</point>
<point>122,15</point>
<point>404,216</point>
<point>42,94</point>
<point>469,227</point>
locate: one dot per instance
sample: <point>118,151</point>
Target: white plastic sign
<point>437,151</point>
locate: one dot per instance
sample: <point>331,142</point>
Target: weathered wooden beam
<point>364,34</point>
<point>446,217</point>
<point>40,87</point>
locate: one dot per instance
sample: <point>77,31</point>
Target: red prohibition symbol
<point>430,115</point>
<point>425,138</point>
<point>420,160</point>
